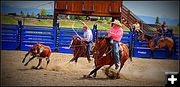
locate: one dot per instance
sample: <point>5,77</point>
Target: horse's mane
<point>148,37</point>
<point>108,39</point>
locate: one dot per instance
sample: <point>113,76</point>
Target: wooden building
<point>114,9</point>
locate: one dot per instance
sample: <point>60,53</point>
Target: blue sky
<point>169,9</point>
<point>30,4</point>
<point>162,9</point>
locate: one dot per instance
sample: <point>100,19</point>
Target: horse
<point>80,49</point>
<point>162,42</point>
<point>103,55</point>
<point>38,50</point>
<point>169,42</point>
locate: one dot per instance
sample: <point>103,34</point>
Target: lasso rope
<point>75,31</point>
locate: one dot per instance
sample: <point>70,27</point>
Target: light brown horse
<point>149,39</point>
<point>38,50</point>
<point>80,49</point>
<point>162,42</point>
<point>100,60</point>
<point>169,42</point>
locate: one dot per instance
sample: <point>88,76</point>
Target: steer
<point>40,51</point>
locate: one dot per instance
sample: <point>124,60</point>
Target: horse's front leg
<point>29,60</point>
<point>94,71</point>
<point>75,58</point>
<point>25,57</point>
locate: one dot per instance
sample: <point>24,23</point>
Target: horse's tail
<point>174,46</point>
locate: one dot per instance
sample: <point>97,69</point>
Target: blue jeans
<point>116,52</point>
<point>89,47</point>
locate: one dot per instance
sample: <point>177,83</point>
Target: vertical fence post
<point>57,36</point>
<point>19,33</point>
<point>131,45</point>
<point>95,32</point>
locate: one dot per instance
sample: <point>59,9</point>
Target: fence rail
<point>24,37</point>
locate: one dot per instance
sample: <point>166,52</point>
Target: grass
<point>8,20</point>
<point>49,22</point>
<point>64,23</point>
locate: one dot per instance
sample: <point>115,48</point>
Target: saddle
<point>110,46</point>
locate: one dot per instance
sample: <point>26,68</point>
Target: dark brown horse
<point>80,49</point>
<point>100,60</point>
<point>162,42</point>
<point>38,50</point>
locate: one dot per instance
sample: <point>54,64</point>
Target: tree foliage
<point>22,13</point>
<point>43,12</point>
<point>32,15</point>
<point>28,15</point>
<point>157,20</point>
<point>72,17</point>
<point>107,18</point>
<point>82,17</point>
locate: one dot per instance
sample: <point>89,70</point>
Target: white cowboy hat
<point>117,22</point>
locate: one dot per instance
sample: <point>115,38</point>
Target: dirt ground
<point>139,72</point>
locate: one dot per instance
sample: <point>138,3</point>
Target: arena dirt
<point>139,72</point>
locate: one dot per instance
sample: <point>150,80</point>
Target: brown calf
<point>41,51</point>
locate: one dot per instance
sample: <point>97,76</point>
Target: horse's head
<point>145,36</point>
<point>142,36</point>
<point>100,44</point>
<point>75,41</point>
<point>36,48</point>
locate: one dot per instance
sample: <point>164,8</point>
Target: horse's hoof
<point>86,76</point>
<point>37,68</point>
<point>94,76</point>
<point>89,60</point>
<point>25,64</point>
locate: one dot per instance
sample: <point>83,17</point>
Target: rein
<point>103,54</point>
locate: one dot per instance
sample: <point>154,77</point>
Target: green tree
<point>82,17</point>
<point>72,17</point>
<point>107,18</point>
<point>28,15</point>
<point>22,13</point>
<point>43,12</point>
<point>32,15</point>
<point>77,17</point>
<point>157,20</point>
<point>101,18</point>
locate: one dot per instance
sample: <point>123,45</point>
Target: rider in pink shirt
<point>116,33</point>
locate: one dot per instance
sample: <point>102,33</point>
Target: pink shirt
<point>116,33</point>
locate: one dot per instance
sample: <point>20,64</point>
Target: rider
<point>159,32</point>
<point>88,36</point>
<point>136,27</point>
<point>164,28</point>
<point>116,33</point>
